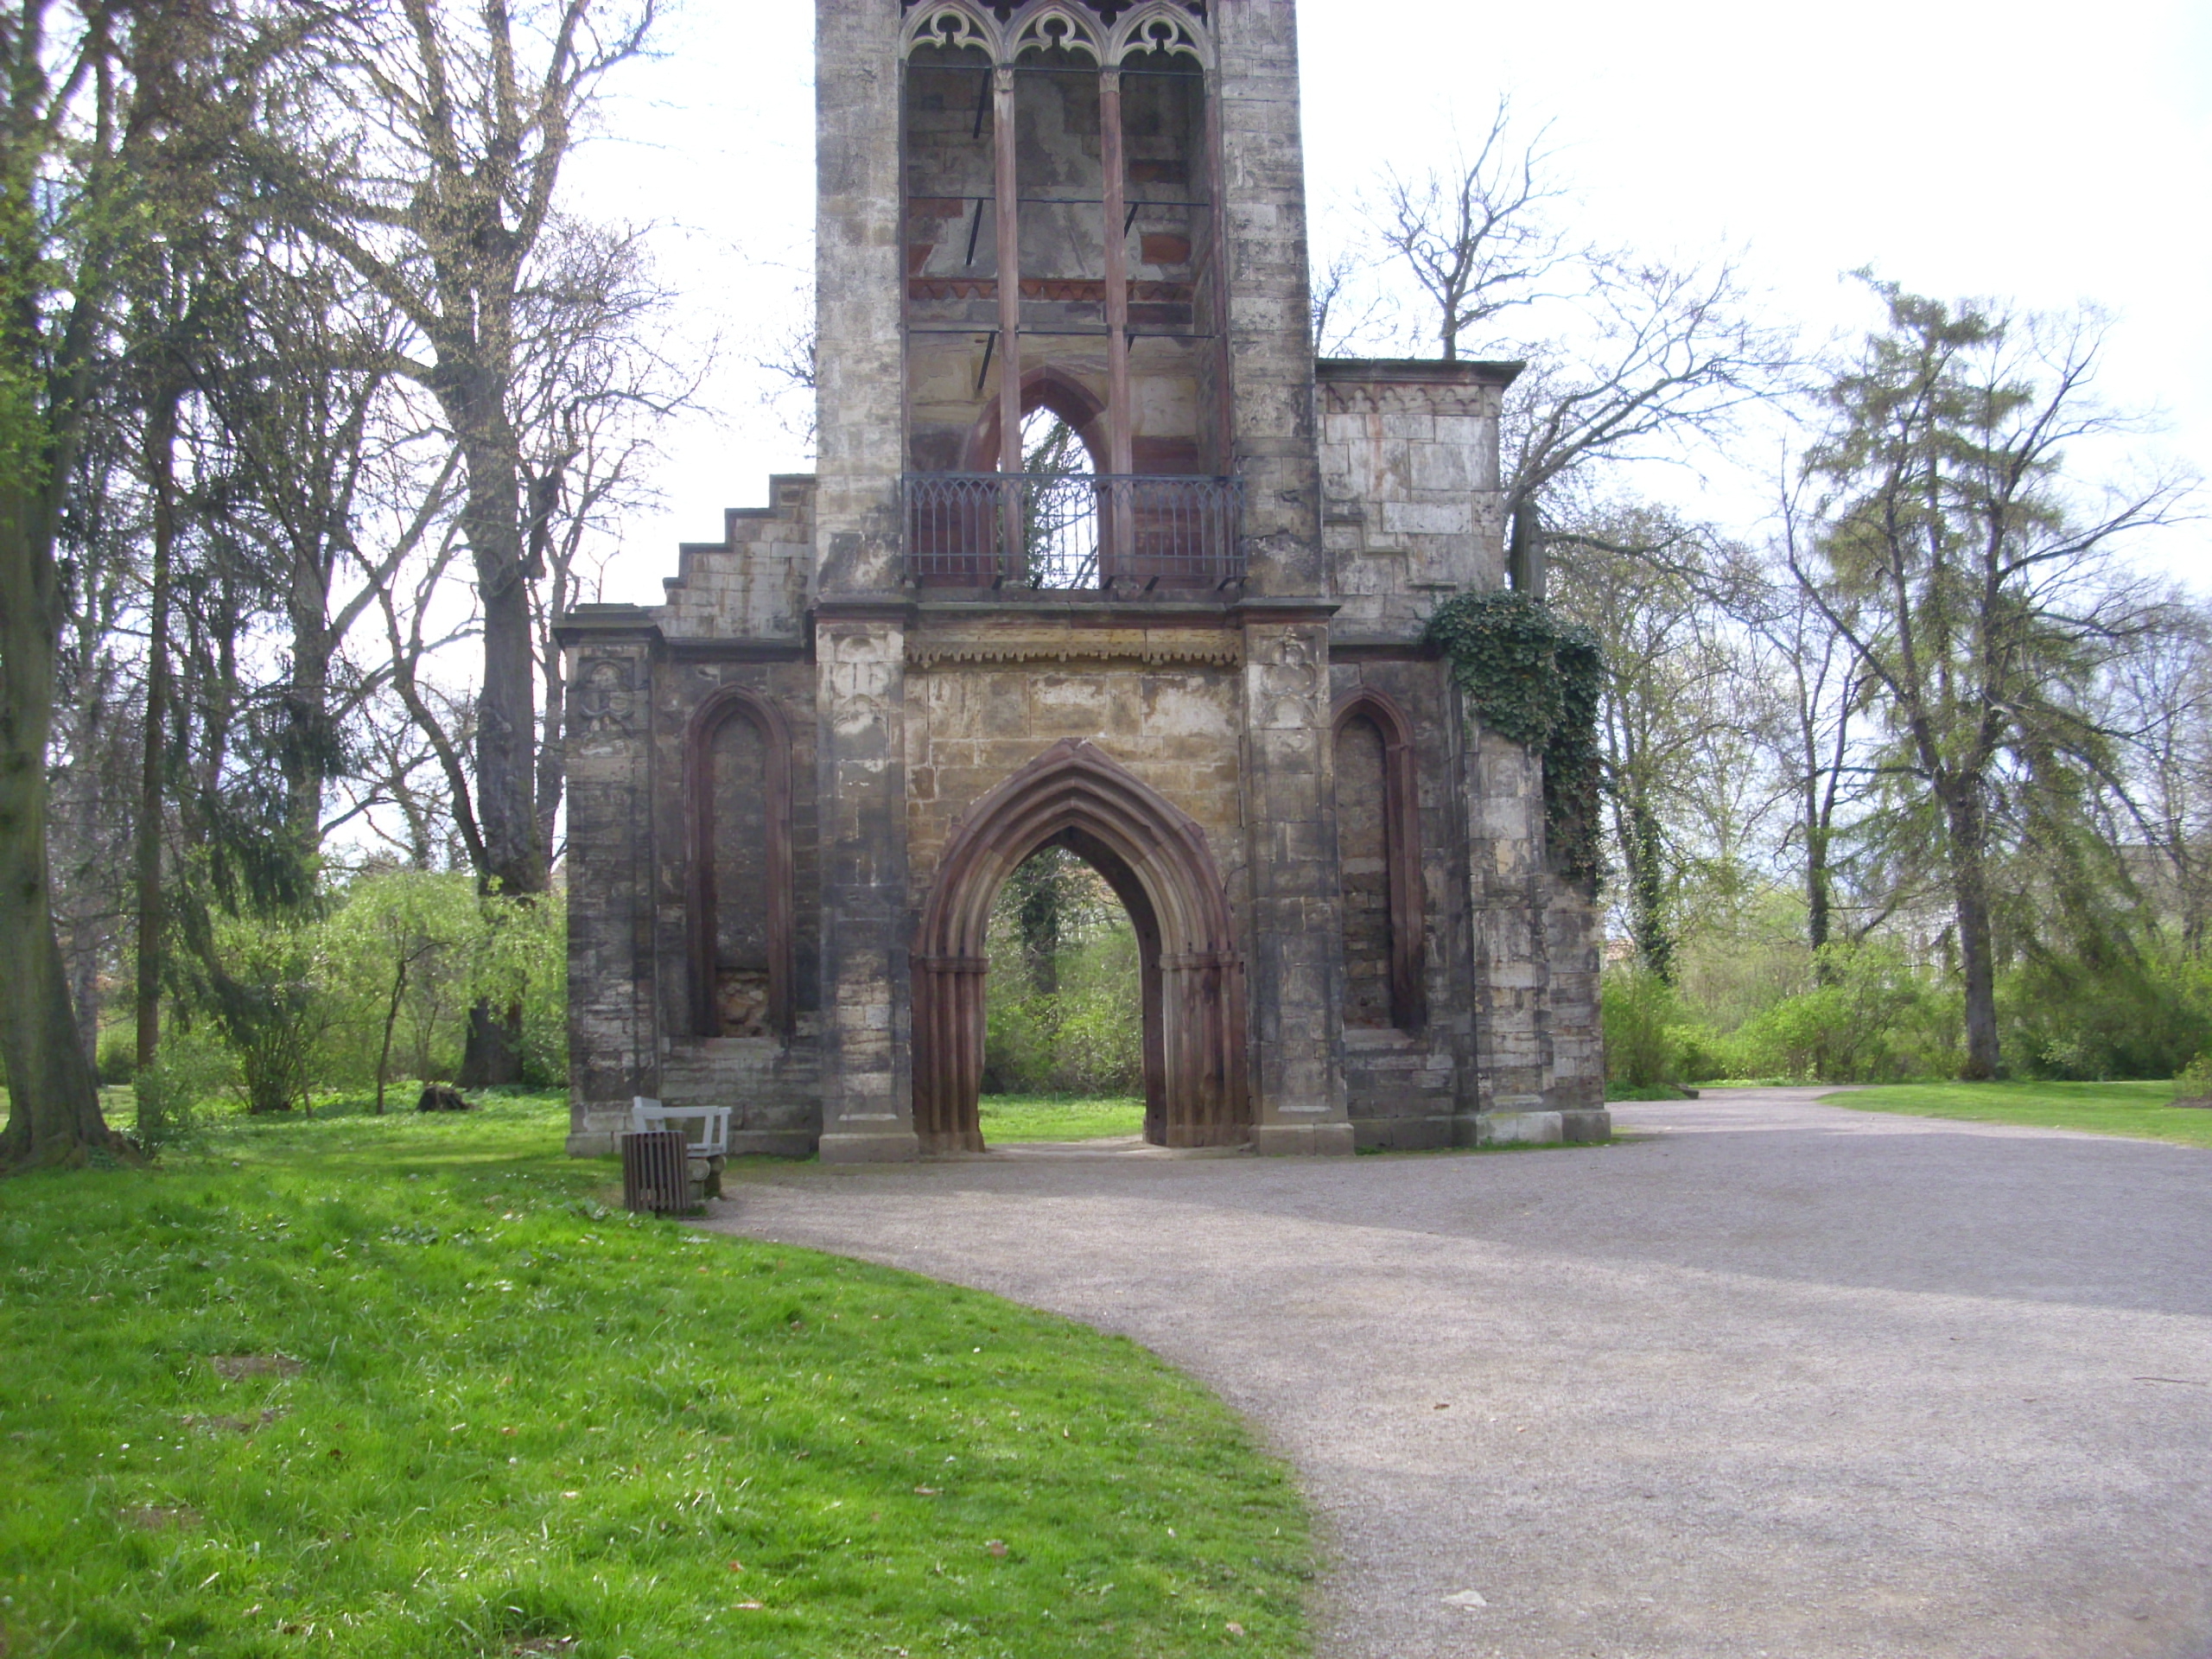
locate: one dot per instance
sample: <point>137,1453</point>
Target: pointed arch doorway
<point>1192,982</point>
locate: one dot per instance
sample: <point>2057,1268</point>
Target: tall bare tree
<point>470,113</point>
<point>1476,236</point>
<point>1627,356</point>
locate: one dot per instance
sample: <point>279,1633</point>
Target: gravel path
<point>1766,1379</point>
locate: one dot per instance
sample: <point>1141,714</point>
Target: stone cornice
<point>1413,372</point>
<point>608,622</point>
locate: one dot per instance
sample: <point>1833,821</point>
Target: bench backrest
<point>705,1128</point>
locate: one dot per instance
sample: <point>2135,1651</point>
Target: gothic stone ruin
<point>1189,650</point>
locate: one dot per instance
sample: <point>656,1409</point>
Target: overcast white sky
<point>2037,152</point>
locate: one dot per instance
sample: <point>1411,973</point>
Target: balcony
<point>1072,532</point>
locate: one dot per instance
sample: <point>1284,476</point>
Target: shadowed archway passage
<point>1156,859</point>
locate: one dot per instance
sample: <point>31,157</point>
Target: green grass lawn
<point>407,1387</point>
<point>1058,1117</point>
<point>2142,1109</point>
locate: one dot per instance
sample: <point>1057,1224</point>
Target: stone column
<point>1295,945</point>
<point>613,1002</point>
<point>860,631</point>
<point>1574,944</point>
<point>1270,347</point>
<point>867,993</point>
<point>1505,877</point>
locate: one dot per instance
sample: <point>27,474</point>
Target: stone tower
<point>1184,644</point>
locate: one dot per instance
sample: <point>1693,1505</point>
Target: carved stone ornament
<point>1145,646</point>
<point>1108,32</point>
<point>605,701</point>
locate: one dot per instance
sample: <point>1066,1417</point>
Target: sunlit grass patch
<point>408,1386</point>
<point>1058,1117</point>
<point>2145,1111</point>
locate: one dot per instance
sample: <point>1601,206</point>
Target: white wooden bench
<point>705,1130</point>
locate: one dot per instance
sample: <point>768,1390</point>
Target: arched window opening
<point>1378,863</point>
<point>1060,506</point>
<point>737,767</point>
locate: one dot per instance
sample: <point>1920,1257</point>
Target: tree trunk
<point>307,701</point>
<point>506,780</point>
<point>1641,847</point>
<point>159,461</point>
<point>390,1019</point>
<point>1977,963</point>
<point>53,1105</point>
<point>1817,888</point>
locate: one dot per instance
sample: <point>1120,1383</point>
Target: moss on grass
<point>407,1386</point>
<point>2144,1110</point>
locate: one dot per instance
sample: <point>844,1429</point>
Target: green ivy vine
<point>1534,679</point>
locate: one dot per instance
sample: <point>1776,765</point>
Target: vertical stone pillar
<point>1270,347</point>
<point>613,1002</point>
<point>1295,946</point>
<point>866,995</point>
<point>1505,793</point>
<point>860,631</point>
<point>1573,949</point>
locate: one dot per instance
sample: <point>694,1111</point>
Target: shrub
<point>117,1055</point>
<point>1873,1018</point>
<point>2194,1081</point>
<point>189,1071</point>
<point>1702,1053</point>
<point>1084,1037</point>
<point>1641,1015</point>
<point>2116,1012</point>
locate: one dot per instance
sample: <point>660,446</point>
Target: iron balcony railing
<point>1071,532</point>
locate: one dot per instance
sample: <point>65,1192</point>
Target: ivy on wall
<point>1535,679</point>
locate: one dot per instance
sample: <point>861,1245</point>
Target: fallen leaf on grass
<point>926,1491</point>
<point>751,1606</point>
<point>997,1546</point>
<point>1465,1599</point>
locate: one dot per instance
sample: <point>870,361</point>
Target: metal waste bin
<point>655,1178</point>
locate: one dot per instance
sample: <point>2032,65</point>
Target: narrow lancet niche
<point>1378,854</point>
<point>737,766</point>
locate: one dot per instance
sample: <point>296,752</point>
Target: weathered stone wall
<point>985,696</point>
<point>611,787</point>
<point>774,1079</point>
<point>1363,869</point>
<point>859,640</point>
<point>755,582</point>
<point>903,710</point>
<point>1409,478</point>
<point>1270,347</point>
<point>1408,1088</point>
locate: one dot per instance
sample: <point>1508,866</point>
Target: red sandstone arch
<point>1155,857</point>
<point>737,703</point>
<point>1401,848</point>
